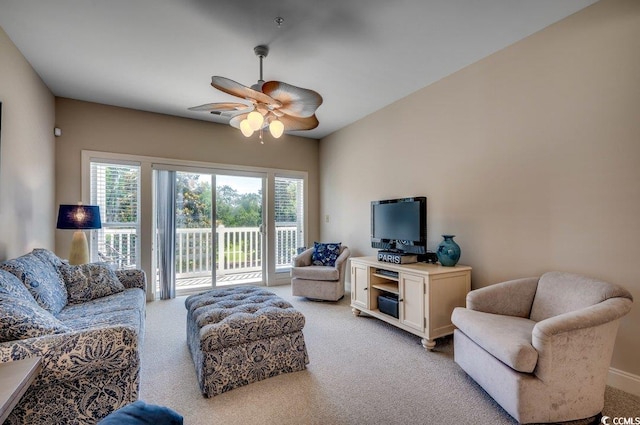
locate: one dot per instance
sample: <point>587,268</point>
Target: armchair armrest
<point>342,258</point>
<point>510,298</point>
<point>578,343</point>
<point>589,317</point>
<point>132,278</point>
<point>303,259</point>
<point>70,356</point>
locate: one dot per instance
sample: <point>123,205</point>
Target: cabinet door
<point>412,304</point>
<point>359,286</point>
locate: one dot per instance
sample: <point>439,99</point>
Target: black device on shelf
<point>388,304</point>
<point>389,273</point>
<point>400,225</point>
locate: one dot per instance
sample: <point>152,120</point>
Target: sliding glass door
<point>240,253</point>
<point>209,230</point>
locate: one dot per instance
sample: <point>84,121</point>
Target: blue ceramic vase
<point>448,251</point>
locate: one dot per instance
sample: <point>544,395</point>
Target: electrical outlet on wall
<point>326,218</point>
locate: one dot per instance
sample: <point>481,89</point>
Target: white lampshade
<point>255,119</point>
<point>276,128</point>
<point>246,129</point>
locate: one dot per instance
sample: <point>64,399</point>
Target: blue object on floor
<point>141,413</point>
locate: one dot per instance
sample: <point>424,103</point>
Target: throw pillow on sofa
<point>48,256</point>
<point>10,284</point>
<point>21,319</point>
<point>87,282</point>
<point>41,279</point>
<point>325,254</point>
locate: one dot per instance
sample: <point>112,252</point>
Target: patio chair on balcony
<point>318,272</point>
<point>114,257</point>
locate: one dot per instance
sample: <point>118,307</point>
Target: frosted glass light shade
<point>276,128</point>
<point>255,119</point>
<point>246,129</point>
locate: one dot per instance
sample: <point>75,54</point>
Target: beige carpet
<point>361,371</point>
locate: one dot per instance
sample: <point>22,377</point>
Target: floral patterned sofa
<point>85,322</point>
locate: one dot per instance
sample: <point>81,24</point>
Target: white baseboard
<point>624,381</point>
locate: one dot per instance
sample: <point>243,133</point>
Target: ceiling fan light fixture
<point>274,104</point>
<point>276,128</point>
<point>255,120</point>
<point>245,128</point>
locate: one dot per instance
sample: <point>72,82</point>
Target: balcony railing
<point>239,249</point>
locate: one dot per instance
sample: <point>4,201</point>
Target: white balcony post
<point>221,236</point>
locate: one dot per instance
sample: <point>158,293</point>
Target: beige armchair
<point>319,282</point>
<point>541,347</point>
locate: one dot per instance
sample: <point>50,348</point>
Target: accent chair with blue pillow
<point>318,272</point>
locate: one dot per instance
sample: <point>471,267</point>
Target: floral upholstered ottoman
<point>242,335</point>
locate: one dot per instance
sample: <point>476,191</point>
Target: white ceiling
<point>360,55</point>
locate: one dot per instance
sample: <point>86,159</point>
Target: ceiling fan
<point>273,104</point>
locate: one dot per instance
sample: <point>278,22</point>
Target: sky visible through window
<point>239,183</point>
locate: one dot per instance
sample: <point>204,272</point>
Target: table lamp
<point>79,217</point>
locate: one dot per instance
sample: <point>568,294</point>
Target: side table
<point>15,379</point>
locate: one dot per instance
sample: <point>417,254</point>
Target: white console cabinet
<point>426,293</point>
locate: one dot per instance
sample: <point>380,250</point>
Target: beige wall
<point>95,127</point>
<point>27,208</point>
<point>530,156</point>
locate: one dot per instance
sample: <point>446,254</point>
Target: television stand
<point>426,295</point>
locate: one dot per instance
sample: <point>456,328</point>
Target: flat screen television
<point>400,225</point>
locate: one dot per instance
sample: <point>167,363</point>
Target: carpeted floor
<point>361,371</point>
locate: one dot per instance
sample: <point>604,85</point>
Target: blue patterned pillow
<point>87,282</point>
<point>141,413</point>
<point>10,284</point>
<point>42,280</point>
<point>20,319</point>
<point>325,254</point>
<point>48,256</point>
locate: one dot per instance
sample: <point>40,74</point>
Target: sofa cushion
<point>316,273</point>
<point>48,256</point>
<point>10,284</point>
<point>131,318</point>
<point>325,254</point>
<point>129,299</point>
<point>507,338</point>
<point>87,282</point>
<point>22,319</point>
<point>42,280</point>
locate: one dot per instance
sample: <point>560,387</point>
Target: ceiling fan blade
<point>236,89</point>
<point>296,101</point>
<point>223,108</point>
<point>297,123</point>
